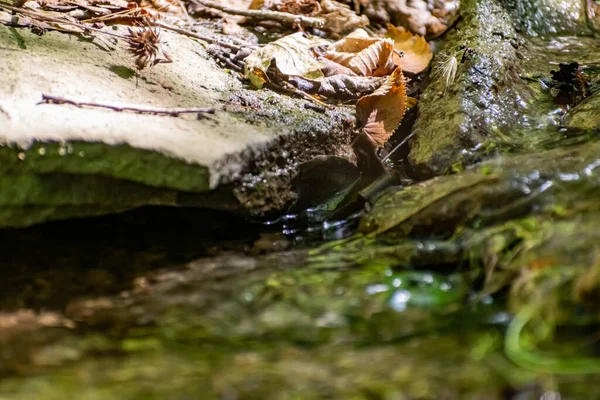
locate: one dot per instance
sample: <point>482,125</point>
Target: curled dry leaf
<point>353,43</point>
<point>417,53</point>
<point>298,7</point>
<point>331,68</point>
<point>339,18</point>
<point>294,56</point>
<point>364,55</point>
<point>341,87</point>
<point>380,113</point>
<point>429,18</point>
<point>375,60</point>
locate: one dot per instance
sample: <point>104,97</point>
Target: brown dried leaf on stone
<point>375,60</point>
<point>429,18</point>
<point>380,113</point>
<point>294,55</point>
<point>298,7</point>
<point>354,42</point>
<point>340,58</point>
<point>339,18</point>
<point>366,56</point>
<point>341,87</point>
<point>331,68</point>
<point>417,53</point>
<point>172,7</point>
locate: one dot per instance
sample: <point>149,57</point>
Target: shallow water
<point>428,295</point>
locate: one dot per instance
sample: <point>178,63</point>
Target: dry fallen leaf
<point>339,18</point>
<point>429,18</point>
<point>375,60</point>
<point>417,53</point>
<point>353,43</point>
<point>380,113</point>
<point>293,54</point>
<point>341,87</point>
<point>298,7</point>
<point>331,68</point>
<point>366,56</point>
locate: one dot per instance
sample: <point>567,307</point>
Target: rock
<point>61,161</point>
<point>457,115</point>
<point>548,17</point>
<point>500,98</point>
<point>584,116</point>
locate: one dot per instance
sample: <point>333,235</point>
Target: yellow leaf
<point>257,78</point>
<point>293,56</point>
<point>417,53</point>
<point>380,113</point>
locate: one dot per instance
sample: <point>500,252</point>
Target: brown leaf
<point>341,87</point>
<point>339,18</point>
<point>423,17</point>
<point>293,55</point>
<point>340,57</point>
<point>331,68</point>
<point>354,42</point>
<point>375,60</point>
<point>381,112</point>
<point>417,53</point>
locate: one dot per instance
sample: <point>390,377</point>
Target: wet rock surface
<point>481,283</point>
<point>461,109</point>
<point>71,161</point>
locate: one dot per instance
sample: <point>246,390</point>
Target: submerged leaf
<point>417,53</point>
<point>293,54</point>
<point>381,112</point>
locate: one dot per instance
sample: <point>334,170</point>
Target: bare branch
<point>50,99</point>
<point>286,18</point>
<point>43,17</point>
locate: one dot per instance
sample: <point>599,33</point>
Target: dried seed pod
<point>144,45</point>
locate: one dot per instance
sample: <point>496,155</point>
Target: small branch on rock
<point>196,35</point>
<point>3,111</point>
<point>43,17</point>
<point>286,18</point>
<point>288,88</point>
<point>174,112</point>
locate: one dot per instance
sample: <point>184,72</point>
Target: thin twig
<point>398,146</point>
<point>58,20</point>
<point>3,111</point>
<point>108,17</point>
<point>195,35</point>
<point>188,19</point>
<point>50,99</point>
<point>288,88</point>
<point>282,17</point>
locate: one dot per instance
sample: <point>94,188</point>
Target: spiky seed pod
<point>144,45</point>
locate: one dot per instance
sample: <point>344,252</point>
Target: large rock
<point>455,115</point>
<point>62,161</point>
